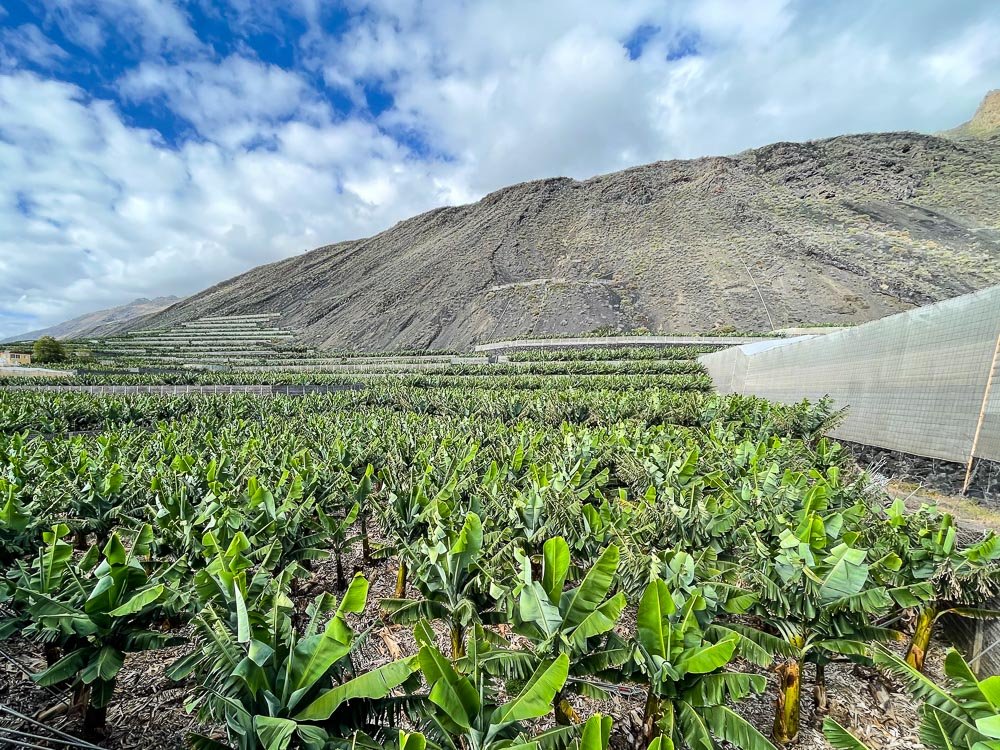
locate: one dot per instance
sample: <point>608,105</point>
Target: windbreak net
<point>923,382</point>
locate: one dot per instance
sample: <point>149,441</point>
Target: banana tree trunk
<point>457,641</point>
<point>366,552</point>
<point>565,714</point>
<point>401,579</point>
<point>341,581</point>
<point>95,721</point>
<point>786,710</point>
<point>80,541</point>
<point>651,718</point>
<point>917,652</point>
<point>819,690</point>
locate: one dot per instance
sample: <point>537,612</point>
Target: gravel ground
<point>931,474</point>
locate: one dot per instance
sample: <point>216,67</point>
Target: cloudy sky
<point>153,147</point>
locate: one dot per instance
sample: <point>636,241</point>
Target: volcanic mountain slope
<point>984,123</point>
<point>842,230</point>
<point>94,323</point>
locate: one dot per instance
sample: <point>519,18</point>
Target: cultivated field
<point>579,548</point>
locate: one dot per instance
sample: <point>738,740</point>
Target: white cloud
<point>230,100</point>
<point>27,42</point>
<point>113,214</point>
<point>520,90</point>
<point>968,57</point>
<point>157,25</point>
<point>484,94</point>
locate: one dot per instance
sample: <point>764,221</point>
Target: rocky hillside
<point>984,123</point>
<point>96,323</point>
<point>842,230</point>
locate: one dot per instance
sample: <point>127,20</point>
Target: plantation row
<point>692,382</point>
<point>675,366</point>
<point>58,413</point>
<point>541,565</point>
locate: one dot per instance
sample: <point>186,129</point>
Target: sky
<point>154,147</point>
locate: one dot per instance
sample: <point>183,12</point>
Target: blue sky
<point>156,147</point>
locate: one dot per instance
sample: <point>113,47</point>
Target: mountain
<point>101,321</point>
<point>984,123</point>
<point>841,230</point>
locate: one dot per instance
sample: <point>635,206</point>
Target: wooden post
<point>982,416</point>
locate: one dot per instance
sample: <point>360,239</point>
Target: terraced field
<point>578,548</point>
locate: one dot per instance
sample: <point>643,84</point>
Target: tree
<point>94,613</point>
<point>273,682</point>
<point>47,349</point>
<point>820,599</point>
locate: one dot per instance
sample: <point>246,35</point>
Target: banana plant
<point>18,526</point>
<point>361,493</point>
<point>821,605</point>
<point>420,498</point>
<point>94,487</point>
<point>272,685</point>
<point>356,472</point>
<point>620,521</point>
<point>683,671</point>
<point>464,712</point>
<point>951,578</point>
<point>527,511</point>
<point>336,531</point>
<point>818,591</point>
<point>697,508</point>
<point>96,610</point>
<point>720,584</point>
<point>223,579</point>
<point>44,573</point>
<point>577,622</point>
<point>181,488</point>
<point>452,584</point>
<point>407,515</point>
<point>291,526</point>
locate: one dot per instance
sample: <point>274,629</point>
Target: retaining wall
<point>557,343</point>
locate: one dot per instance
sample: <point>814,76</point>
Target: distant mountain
<point>841,230</point>
<point>95,323</point>
<point>984,124</point>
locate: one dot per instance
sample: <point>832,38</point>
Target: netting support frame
<point>982,416</point>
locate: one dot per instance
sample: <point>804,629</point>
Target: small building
<point>14,359</point>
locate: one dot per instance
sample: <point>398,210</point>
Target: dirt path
<point>971,515</point>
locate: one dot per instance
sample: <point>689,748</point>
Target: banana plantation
<point>541,556</point>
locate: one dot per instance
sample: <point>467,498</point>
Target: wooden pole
<point>982,416</point>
